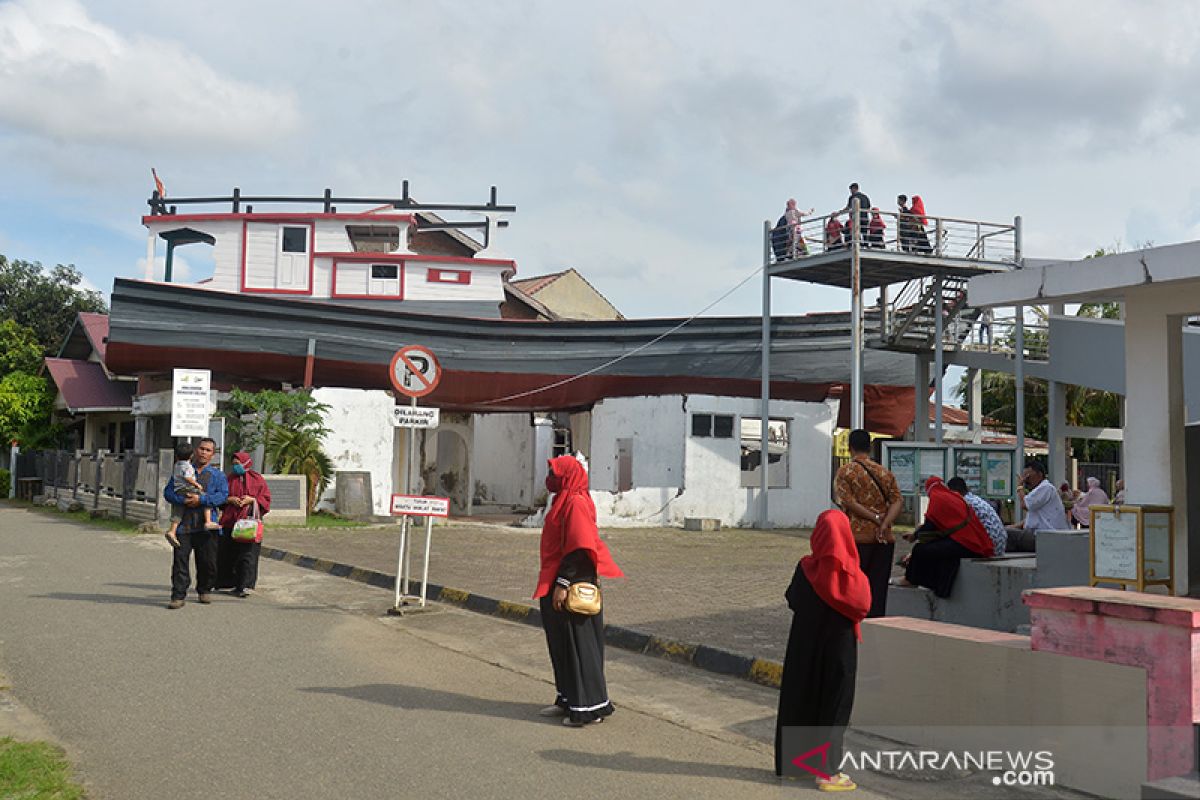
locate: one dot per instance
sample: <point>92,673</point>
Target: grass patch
<point>36,770</point>
<point>325,519</point>
<point>109,523</point>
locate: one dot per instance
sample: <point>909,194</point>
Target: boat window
<point>295,240</point>
<point>374,238</point>
<point>385,271</point>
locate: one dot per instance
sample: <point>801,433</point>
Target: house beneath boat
<point>669,425</point>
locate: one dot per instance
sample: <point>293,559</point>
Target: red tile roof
<point>532,286</point>
<point>95,325</point>
<point>85,386</point>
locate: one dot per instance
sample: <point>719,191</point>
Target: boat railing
<point>162,205</point>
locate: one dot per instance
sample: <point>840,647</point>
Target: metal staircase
<point>907,323</point>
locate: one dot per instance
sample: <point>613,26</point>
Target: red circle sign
<point>414,371</point>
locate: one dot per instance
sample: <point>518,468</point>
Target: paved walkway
<point>723,589</point>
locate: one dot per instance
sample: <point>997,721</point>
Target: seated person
<point>987,515</point>
<point>950,533</point>
<point>1043,509</point>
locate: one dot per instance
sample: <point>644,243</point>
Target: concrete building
<point>1160,290</point>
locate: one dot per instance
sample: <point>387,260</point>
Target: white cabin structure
<point>405,258</point>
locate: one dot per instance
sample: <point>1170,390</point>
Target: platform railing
<point>891,231</point>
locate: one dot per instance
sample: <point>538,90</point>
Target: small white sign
<point>420,506</point>
<point>190,406</point>
<point>415,417</point>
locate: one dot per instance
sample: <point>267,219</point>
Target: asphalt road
<point>304,691</point>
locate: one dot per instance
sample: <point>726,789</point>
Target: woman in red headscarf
<point>237,562</point>
<point>572,552</point>
<point>950,533</point>
<point>921,236</point>
<point>829,596</point>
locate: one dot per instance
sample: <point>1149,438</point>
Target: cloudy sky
<point>643,142</point>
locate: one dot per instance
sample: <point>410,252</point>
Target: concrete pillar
<point>975,404</point>
<point>1056,411</point>
<point>143,434</point>
<point>921,382</point>
<point>1154,468</point>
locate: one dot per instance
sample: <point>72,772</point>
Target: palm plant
<point>297,451</point>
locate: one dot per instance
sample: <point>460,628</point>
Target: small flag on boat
<point>158,184</point>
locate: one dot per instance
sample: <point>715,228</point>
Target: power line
<point>632,352</point>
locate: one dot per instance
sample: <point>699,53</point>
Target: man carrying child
<point>192,532</point>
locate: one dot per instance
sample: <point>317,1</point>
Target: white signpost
<point>414,372</point>
<point>407,505</point>
<point>190,406</point>
<point>415,417</point>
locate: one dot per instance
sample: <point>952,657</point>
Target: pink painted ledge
<point>1182,612</point>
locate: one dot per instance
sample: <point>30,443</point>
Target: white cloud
<point>72,79</point>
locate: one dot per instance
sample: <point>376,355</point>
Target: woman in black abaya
<point>829,595</point>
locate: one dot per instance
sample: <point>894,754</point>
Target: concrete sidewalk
<point>722,589</point>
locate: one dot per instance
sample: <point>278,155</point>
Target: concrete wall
<point>946,686</point>
<point>676,475</point>
<point>503,450</point>
<point>361,438</point>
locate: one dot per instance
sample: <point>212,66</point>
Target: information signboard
<point>190,404</point>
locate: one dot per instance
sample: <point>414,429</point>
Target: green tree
<point>290,425</point>
<point>44,300</point>
<point>25,403</point>
<point>295,451</point>
<point>19,349</point>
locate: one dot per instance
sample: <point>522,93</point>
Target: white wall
<point>361,438</point>
<point>676,475</point>
<point>503,453</point>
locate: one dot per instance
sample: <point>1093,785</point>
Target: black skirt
<point>934,564</point>
<point>237,562</point>
<point>576,645</point>
<point>816,694</point>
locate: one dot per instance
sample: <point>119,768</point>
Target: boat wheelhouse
<point>368,252</point>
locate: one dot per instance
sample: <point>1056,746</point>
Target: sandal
<point>838,783</point>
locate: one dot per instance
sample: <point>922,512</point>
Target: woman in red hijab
<point>572,552</point>
<point>921,235</point>
<point>950,533</point>
<point>829,596</point>
<point>237,562</point>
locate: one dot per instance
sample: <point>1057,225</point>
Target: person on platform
<point>833,234</point>
<point>237,562</point>
<point>794,218</point>
<point>920,235</point>
<point>876,230</point>
<point>906,225</point>
<point>829,596</point>
<point>192,534</point>
<point>1094,496</point>
<point>950,533</point>
<point>864,208</point>
<point>987,515</point>
<point>871,498</point>
<point>572,552</point>
<point>1043,509</point>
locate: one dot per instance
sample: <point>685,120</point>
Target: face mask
<point>238,469</point>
